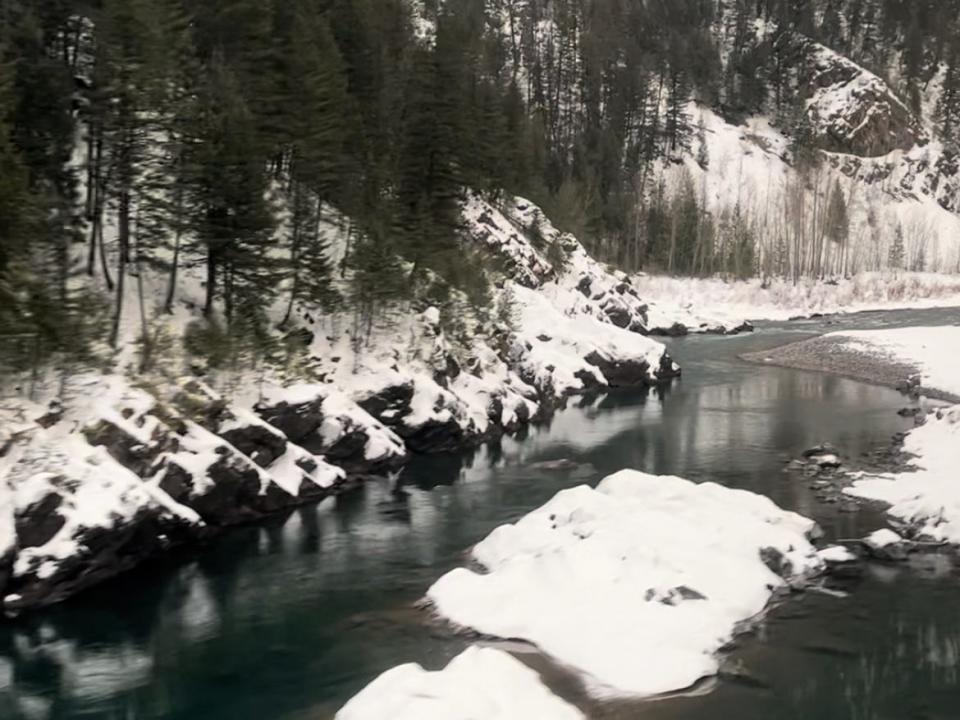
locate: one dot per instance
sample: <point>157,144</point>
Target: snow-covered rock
<point>579,326</point>
<point>538,257</point>
<point>299,473</point>
<point>325,422</point>
<point>885,544</point>
<point>562,355</point>
<point>852,110</point>
<point>80,517</point>
<point>185,448</point>
<point>480,683</point>
<point>636,584</point>
<point>837,555</point>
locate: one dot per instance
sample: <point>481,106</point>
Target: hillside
<point>124,465</point>
<point>255,252</point>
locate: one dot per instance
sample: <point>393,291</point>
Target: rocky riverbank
<point>873,357</point>
<point>123,467</point>
<point>915,477</point>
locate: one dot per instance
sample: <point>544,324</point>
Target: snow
<point>636,585</point>
<point>933,351</point>
<point>837,554</point>
<point>553,347</point>
<point>480,683</point>
<point>882,538</point>
<point>8,536</point>
<point>97,492</point>
<point>925,498</point>
<point>714,301</point>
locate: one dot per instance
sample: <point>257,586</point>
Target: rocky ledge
<point>81,502</point>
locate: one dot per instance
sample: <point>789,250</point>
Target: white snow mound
<point>479,683</point>
<point>636,584</point>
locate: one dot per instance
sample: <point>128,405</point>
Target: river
<point>287,621</point>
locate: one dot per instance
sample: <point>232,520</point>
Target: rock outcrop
<point>80,517</point>
<point>853,111</point>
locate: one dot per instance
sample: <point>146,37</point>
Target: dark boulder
<point>299,422</point>
<point>258,442</point>
<point>104,553</point>
<point>675,330</point>
<point>618,314</point>
<point>630,372</point>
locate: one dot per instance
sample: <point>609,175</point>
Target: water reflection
<point>290,619</point>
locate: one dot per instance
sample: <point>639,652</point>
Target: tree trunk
<point>175,264</point>
<point>211,282</point>
<point>123,236</point>
<point>296,222</point>
<point>144,328</point>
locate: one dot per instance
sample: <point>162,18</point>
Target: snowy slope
<point>749,167</point>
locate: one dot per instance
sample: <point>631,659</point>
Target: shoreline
<point>828,355</point>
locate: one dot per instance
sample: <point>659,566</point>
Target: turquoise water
<point>287,621</point>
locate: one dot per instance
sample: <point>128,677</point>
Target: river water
<point>287,621</point>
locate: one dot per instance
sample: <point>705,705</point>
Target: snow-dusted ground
<point>630,584</point>
<point>694,301</point>
<point>933,351</point>
<point>925,499</point>
<point>479,684</point>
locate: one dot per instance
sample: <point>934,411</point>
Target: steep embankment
<point>895,177</point>
<point>122,471</point>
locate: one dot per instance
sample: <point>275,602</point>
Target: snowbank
<point>694,301</point>
<point>933,351</point>
<point>480,683</point>
<point>926,499</point>
<point>636,584</point>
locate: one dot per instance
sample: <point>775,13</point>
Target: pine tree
<point>313,128</point>
<point>38,138</point>
<point>947,110</point>
<point>897,254</point>
<point>17,281</point>
<point>234,221</point>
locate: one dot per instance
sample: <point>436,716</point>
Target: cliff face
<point>851,110</point>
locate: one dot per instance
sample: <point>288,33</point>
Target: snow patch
<point>636,584</point>
<point>926,498</point>
<point>479,683</point>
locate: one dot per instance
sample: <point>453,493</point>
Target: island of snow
<point>480,683</point>
<point>637,584</point>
